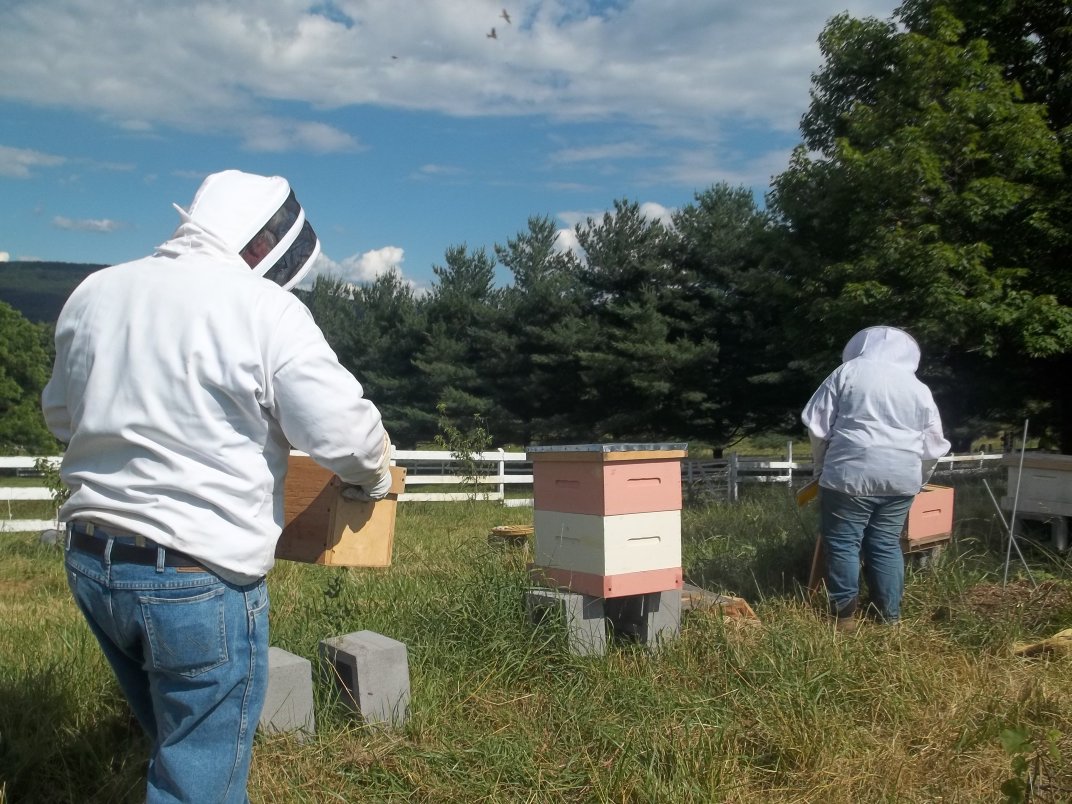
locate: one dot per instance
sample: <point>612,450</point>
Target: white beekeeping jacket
<point>183,379</point>
<point>874,426</point>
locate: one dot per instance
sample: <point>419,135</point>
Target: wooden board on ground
<point>693,598</point>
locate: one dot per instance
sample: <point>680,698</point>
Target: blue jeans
<point>190,652</point>
<point>852,525</point>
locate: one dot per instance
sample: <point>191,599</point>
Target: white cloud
<point>18,163</point>
<point>4,256</point>
<point>617,150</point>
<point>657,212</point>
<point>425,171</point>
<point>274,135</point>
<point>103,225</point>
<point>566,241</point>
<point>681,66</point>
<point>361,268</point>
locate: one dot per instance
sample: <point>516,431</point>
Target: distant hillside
<point>39,289</point>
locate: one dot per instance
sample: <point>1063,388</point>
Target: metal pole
<point>1008,529</point>
<point>1015,503</point>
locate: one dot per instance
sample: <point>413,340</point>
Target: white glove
<point>370,494</point>
<point>380,488</point>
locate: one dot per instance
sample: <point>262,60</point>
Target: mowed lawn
<point>778,709</point>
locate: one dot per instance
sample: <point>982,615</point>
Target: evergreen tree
<point>538,370</point>
<point>637,350</point>
<point>462,317</point>
<point>733,292</point>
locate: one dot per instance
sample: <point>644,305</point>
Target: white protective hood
<point>235,207</point>
<point>884,344</point>
<point>873,425</point>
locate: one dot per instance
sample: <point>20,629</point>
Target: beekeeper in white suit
<point>181,382</point>
<point>876,437</point>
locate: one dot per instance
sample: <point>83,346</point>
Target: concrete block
<point>372,671</point>
<point>653,618</point>
<point>288,705</point>
<point>582,616</point>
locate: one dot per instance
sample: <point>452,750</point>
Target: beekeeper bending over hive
<point>876,437</point>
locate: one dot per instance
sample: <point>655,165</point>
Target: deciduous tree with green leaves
<point>25,366</point>
<point>927,195</point>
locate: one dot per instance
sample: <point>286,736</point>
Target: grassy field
<point>780,710</point>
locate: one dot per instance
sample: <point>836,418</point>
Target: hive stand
<point>654,618</point>
<point>581,615</point>
<point>372,672</point>
<point>288,704</point>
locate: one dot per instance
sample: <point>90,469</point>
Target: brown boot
<point>845,625</point>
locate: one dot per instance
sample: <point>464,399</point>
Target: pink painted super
<point>607,488</point>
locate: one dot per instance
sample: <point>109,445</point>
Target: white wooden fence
<point>498,469</point>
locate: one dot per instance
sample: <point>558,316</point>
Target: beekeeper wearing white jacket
<point>181,382</point>
<point>876,437</point>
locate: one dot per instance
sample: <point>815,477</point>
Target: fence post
<point>502,475</point>
<point>789,452</point>
<point>731,479</point>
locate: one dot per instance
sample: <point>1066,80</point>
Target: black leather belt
<point>126,552</point>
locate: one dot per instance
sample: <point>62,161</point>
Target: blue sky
<point>404,127</point>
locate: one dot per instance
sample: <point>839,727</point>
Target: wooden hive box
<point>607,517</point>
<point>322,527</point>
<point>607,480</point>
<point>930,519</point>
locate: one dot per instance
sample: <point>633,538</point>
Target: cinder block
<point>582,615</point>
<point>653,618</point>
<point>372,671</point>
<point>288,705</point>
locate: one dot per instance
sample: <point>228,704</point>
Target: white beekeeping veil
<point>260,218</point>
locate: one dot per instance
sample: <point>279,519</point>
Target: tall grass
<point>785,710</point>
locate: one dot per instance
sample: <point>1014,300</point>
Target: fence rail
<point>495,470</point>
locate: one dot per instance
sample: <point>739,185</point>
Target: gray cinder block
<point>652,618</point>
<point>582,615</point>
<point>288,705</point>
<point>373,673</point>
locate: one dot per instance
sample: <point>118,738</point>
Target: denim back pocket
<point>187,633</point>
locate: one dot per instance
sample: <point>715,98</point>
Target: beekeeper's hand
<point>381,487</point>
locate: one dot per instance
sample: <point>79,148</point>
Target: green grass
<point>784,710</point>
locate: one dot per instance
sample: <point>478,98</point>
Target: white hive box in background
<point>1045,484</point>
